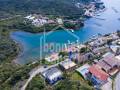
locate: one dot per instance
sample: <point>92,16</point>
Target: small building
<point>81,58</point>
<point>97,76</point>
<point>59,21</point>
<point>30,17</point>
<point>83,70</point>
<point>72,48</point>
<point>114,36</point>
<point>52,75</point>
<point>118,60</point>
<point>108,54</point>
<point>89,56</point>
<point>115,49</point>
<point>67,64</point>
<point>52,57</point>
<point>98,42</point>
<point>109,64</point>
<point>101,50</point>
<point>39,22</point>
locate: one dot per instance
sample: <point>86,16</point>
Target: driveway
<point>34,72</point>
<point>117,82</point>
<point>108,85</point>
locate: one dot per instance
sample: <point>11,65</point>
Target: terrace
<point>97,76</point>
<point>67,64</point>
<point>52,57</point>
<point>109,64</point>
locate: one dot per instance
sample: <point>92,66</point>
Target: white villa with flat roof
<point>52,57</point>
<point>83,70</point>
<point>52,75</point>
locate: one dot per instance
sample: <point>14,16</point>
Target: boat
<point>65,46</point>
<point>77,41</point>
<point>68,41</point>
<point>72,30</point>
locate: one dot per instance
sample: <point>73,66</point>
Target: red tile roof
<point>97,72</point>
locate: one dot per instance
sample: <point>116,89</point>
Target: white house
<point>52,75</point>
<point>60,21</point>
<point>30,17</point>
<point>52,57</point>
<point>39,22</point>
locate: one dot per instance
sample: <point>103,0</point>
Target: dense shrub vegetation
<point>37,83</point>
<point>10,73</point>
<point>57,7</point>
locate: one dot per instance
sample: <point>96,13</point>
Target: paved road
<point>117,82</point>
<point>34,72</point>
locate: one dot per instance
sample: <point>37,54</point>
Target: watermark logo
<point>47,48</point>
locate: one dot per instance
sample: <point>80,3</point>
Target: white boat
<point>72,30</point>
<point>65,46</point>
<point>68,41</point>
<point>77,41</point>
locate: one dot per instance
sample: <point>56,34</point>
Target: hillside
<point>57,7</point>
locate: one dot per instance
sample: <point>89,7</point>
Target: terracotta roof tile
<point>100,74</point>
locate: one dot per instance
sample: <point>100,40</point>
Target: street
<point>117,82</point>
<point>36,71</point>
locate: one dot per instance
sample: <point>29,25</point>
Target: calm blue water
<point>31,42</point>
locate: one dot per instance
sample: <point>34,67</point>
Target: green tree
<point>83,50</point>
<point>36,84</point>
